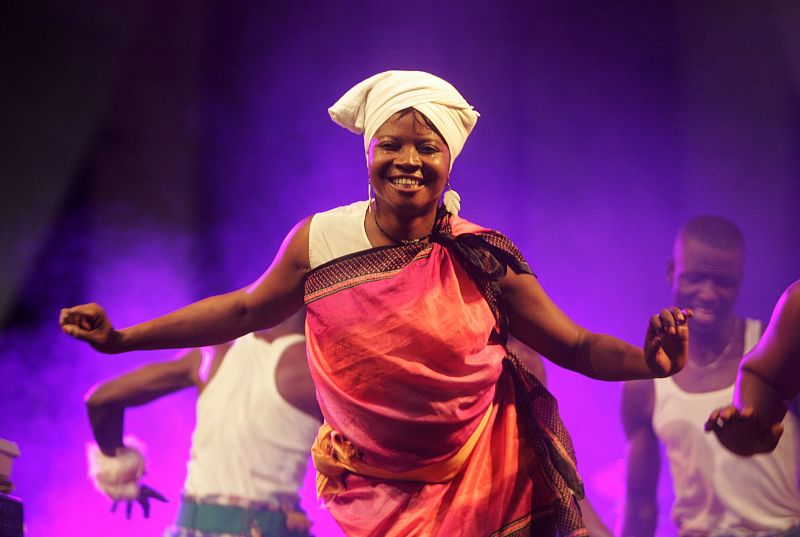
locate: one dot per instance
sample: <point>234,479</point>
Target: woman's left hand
<point>666,345</point>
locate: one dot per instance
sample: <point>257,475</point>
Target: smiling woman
<point>408,164</point>
<point>414,126</point>
<point>432,426</point>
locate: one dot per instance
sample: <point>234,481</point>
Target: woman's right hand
<point>89,322</point>
<point>742,431</point>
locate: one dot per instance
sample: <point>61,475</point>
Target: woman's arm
<point>769,374</point>
<point>769,377</point>
<point>272,298</point>
<point>539,323</point>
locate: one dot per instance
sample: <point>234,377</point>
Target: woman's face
<point>408,164</point>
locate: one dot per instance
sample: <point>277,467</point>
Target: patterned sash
<point>486,257</point>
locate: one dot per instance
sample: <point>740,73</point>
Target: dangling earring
<point>452,201</point>
<point>369,192</point>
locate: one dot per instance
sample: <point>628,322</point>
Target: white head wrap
<point>368,104</point>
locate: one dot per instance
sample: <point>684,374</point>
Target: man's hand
<point>742,432</point>
<point>145,494</point>
<point>666,345</point>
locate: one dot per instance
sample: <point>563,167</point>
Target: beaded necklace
<point>393,239</point>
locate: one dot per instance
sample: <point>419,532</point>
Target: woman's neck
<point>400,228</point>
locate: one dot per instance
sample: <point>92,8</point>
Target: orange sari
<point>431,427</point>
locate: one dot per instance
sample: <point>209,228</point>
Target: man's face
<point>706,279</point>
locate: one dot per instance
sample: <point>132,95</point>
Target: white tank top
<point>337,233</point>
<point>716,492</point>
<point>249,442</point>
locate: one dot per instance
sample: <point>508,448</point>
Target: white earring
<point>452,201</point>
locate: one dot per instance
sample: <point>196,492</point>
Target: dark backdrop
<point>157,152</point>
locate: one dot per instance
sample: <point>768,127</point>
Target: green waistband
<point>213,518</point>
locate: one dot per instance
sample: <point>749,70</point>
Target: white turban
<point>368,104</point>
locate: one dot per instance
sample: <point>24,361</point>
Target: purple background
<point>157,152</point>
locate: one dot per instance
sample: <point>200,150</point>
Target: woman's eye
<point>428,149</point>
<point>387,145</point>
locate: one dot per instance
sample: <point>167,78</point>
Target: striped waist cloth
<point>236,517</point>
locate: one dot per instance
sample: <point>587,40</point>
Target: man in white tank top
<point>716,493</point>
<point>257,417</point>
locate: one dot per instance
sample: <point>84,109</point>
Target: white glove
<point>118,476</point>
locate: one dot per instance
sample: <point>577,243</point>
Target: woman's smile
<point>406,182</point>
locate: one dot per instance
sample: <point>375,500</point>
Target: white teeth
<point>406,181</point>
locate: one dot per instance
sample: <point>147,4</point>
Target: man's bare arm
<point>106,402</point>
<point>642,460</point>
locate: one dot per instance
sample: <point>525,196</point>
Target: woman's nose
<point>408,157</point>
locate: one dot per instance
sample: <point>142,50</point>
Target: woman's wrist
<point>125,340</point>
<point>121,341</point>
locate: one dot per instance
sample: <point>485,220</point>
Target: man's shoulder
<point>638,390</point>
<point>638,402</point>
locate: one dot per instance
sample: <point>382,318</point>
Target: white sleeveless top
<point>249,442</point>
<point>716,492</point>
<point>337,233</point>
